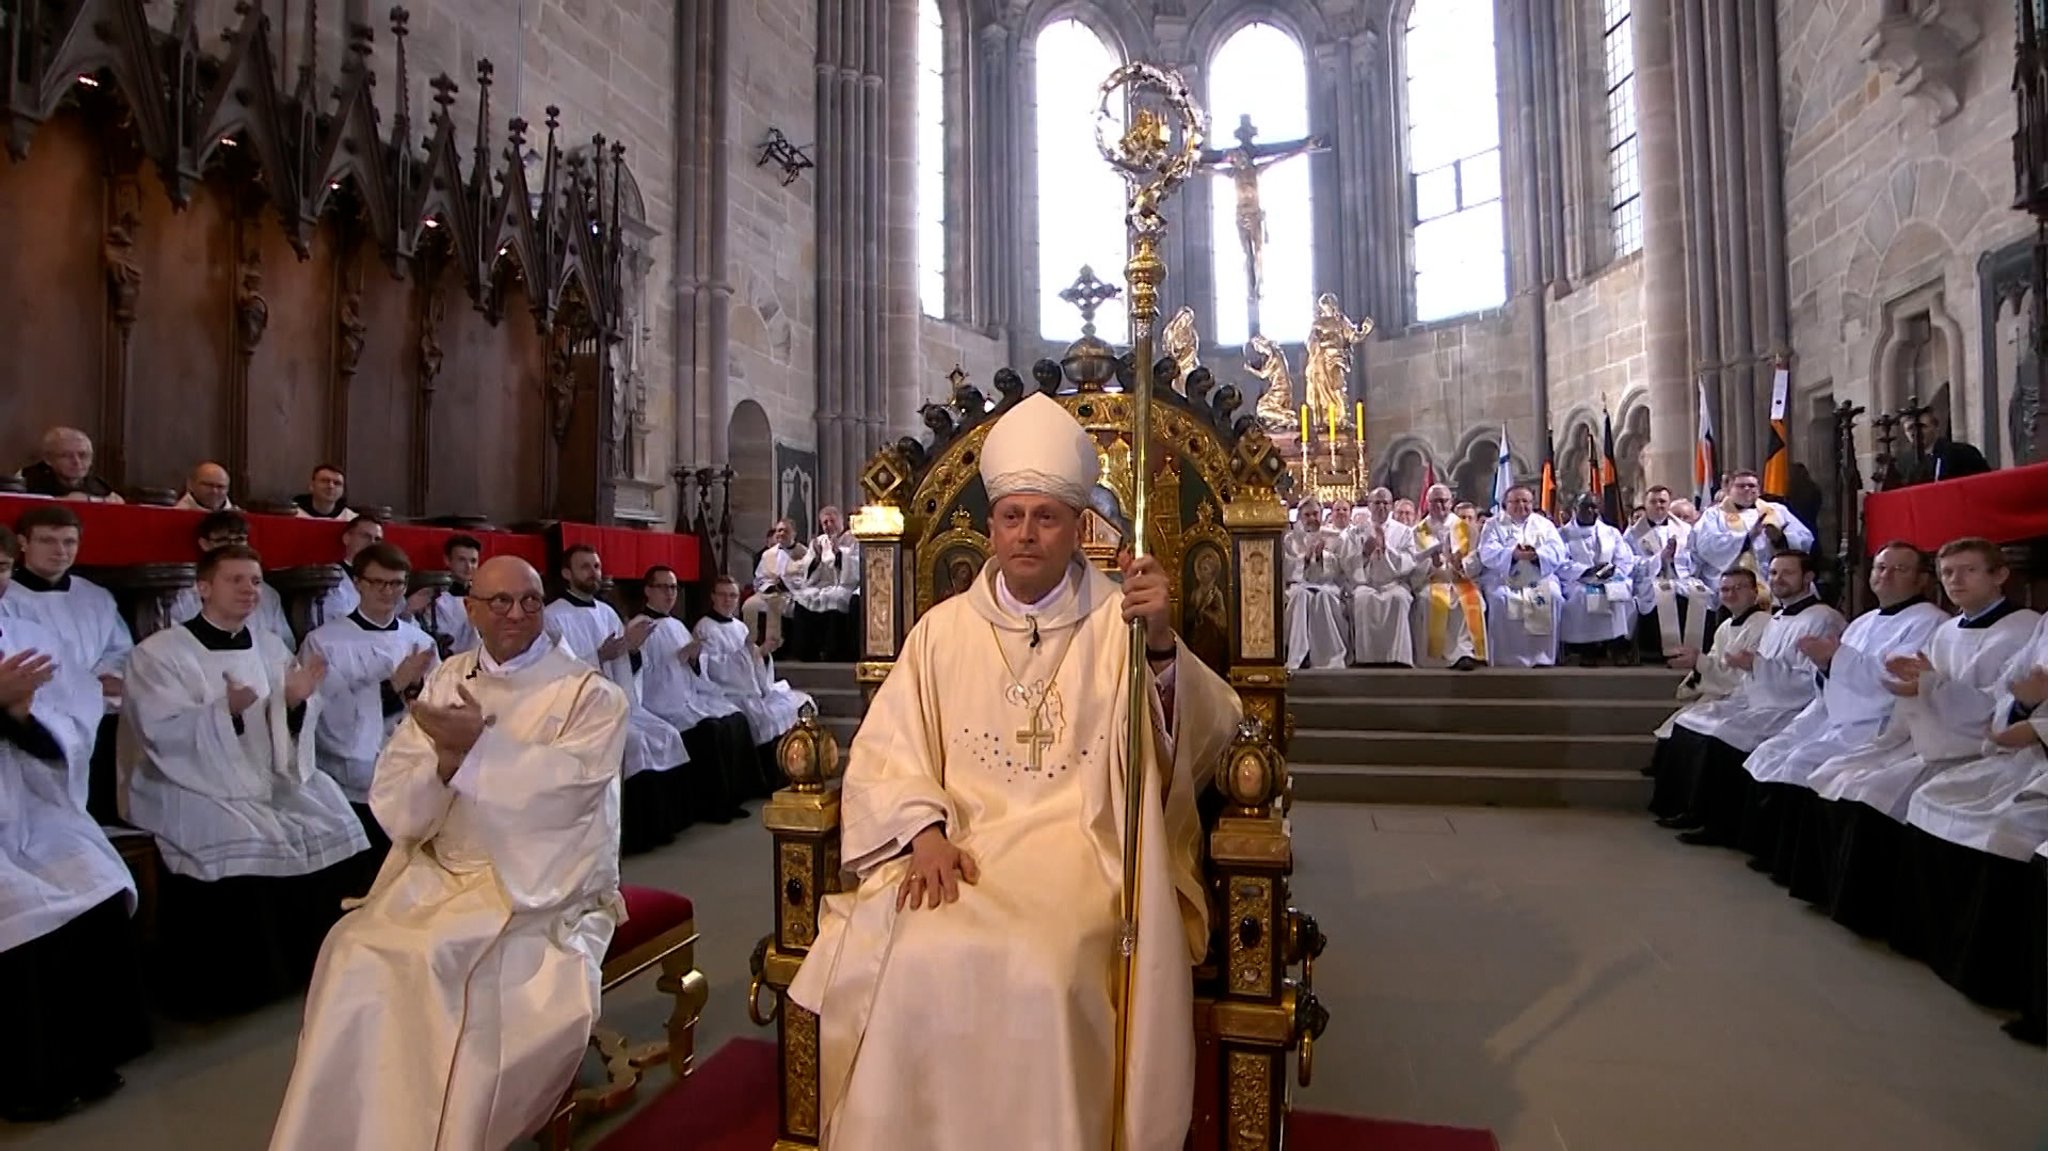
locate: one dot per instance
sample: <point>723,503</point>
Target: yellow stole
<point>1766,514</point>
<point>1440,594</point>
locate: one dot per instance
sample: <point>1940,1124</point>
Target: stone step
<point>1512,752</point>
<point>1485,717</point>
<point>1560,684</point>
<point>1469,786</point>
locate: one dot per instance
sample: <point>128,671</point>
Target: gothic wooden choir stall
<point>1215,523</point>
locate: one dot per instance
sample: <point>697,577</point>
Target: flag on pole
<point>1610,490</point>
<point>1703,465</point>
<point>1428,482</point>
<point>1777,475</point>
<point>1549,480</point>
<point>1503,471</point>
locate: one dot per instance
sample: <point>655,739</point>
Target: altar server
<point>450,615</point>
<point>1745,530</point>
<point>1314,553</point>
<point>1597,582</point>
<point>72,1006</point>
<point>360,532</point>
<point>1382,565</point>
<point>1709,679</point>
<point>218,530</point>
<point>217,763</point>
<point>723,769</point>
<point>451,1008</point>
<point>1521,554</point>
<point>744,672</point>
<point>1999,802</point>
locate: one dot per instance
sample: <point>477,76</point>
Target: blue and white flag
<point>1503,471</point>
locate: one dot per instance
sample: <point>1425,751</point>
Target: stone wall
<point>1596,345</point>
<point>941,347</point>
<point>1882,201</point>
<point>1442,386</point>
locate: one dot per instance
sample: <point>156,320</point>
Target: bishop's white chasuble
<point>1853,704</point>
<point>1944,725</point>
<point>991,1022</point>
<point>451,1006</point>
<point>1450,610</point>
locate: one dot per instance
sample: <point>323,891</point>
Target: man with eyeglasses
<point>722,772</point>
<point>450,1009</point>
<point>376,660</point>
<point>219,530</point>
<point>341,599</point>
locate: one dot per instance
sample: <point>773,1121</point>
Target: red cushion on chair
<point>649,912</point>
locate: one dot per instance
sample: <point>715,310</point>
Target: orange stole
<point>1466,591</point>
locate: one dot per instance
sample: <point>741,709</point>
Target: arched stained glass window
<point>931,159</point>
<point>1261,74</point>
<point>1453,103</point>
<point>1080,197</point>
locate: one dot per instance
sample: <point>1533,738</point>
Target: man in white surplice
<point>450,614</point>
<point>1744,529</point>
<point>776,574</point>
<point>1999,803</point>
<point>1318,627</point>
<point>1945,692</point>
<point>1450,608</point>
<point>1521,553</point>
<point>1597,582</point>
<point>358,533</point>
<point>593,633</point>
<point>375,662</point>
<point>1709,678</point>
<point>449,1011</point>
<point>218,530</point>
<point>967,988</point>
<point>827,590</point>
<point>1382,562</point>
<point>1852,705</point>
<point>1672,602</point>
<point>724,769</point>
<point>743,668</point>
<point>74,1007</point>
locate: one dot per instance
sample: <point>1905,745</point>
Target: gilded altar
<point>1217,519</point>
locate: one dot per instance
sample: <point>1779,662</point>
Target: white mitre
<point>1037,448</point>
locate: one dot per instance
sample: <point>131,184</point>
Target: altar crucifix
<point>1242,165</point>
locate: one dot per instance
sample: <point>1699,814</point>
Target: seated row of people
<point>252,766</point>
<point>807,597</point>
<point>1514,589</point>
<point>1889,770</point>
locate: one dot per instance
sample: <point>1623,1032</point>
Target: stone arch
<point>1219,22</point>
<point>1574,453</point>
<point>1118,25</point>
<point>752,444</point>
<point>1632,447</point>
<point>1404,464</point>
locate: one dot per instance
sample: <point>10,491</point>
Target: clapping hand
<point>1684,659</point>
<point>937,869</point>
<point>240,696</point>
<point>611,649</point>
<point>689,652</point>
<point>2031,689</point>
<point>638,631</point>
<point>1744,660</point>
<point>304,679</point>
<point>1820,649</point>
<point>21,674</point>
<point>453,729</point>
<point>1904,672</point>
<point>410,670</point>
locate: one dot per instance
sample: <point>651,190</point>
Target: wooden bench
<point>660,931</point>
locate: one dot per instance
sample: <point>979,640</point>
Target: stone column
<point>1015,252</point>
<point>875,253</point>
<point>850,134</point>
<point>830,364</point>
<point>718,274</point>
<point>992,142</point>
<point>902,375</point>
<point>1738,349</point>
<point>1664,255</point>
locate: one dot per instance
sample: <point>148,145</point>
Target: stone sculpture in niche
<point>124,272</point>
<point>350,329</point>
<point>252,311</point>
<point>1922,45</point>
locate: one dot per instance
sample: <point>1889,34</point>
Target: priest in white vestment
<point>376,661</point>
<point>827,592</point>
<point>776,575</point>
<point>450,625</point>
<point>216,762</point>
<point>743,669</point>
<point>1521,555</point>
<point>593,633</point>
<point>1672,602</point>
<point>73,1008</point>
<point>1598,584</point>
<point>1744,530</point>
<point>724,769</point>
<point>450,1009</point>
<point>1450,607</point>
<point>967,989</point>
<point>1998,803</point>
<point>218,530</point>
<point>1314,557</point>
<point>1382,565</point>
<point>1781,679</point>
<point>1853,705</point>
<point>1946,692</point>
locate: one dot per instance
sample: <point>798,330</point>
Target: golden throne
<point>1216,526</point>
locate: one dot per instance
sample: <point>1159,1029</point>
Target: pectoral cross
<point>1036,738</point>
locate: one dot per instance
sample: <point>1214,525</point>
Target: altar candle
<point>1361,421</point>
<point>1307,429</point>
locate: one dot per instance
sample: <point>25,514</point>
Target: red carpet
<point>729,1105</point>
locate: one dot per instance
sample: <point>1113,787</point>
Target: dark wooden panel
<point>490,415</point>
<point>288,415</point>
<point>380,402</point>
<point>177,412</point>
<point>52,299</point>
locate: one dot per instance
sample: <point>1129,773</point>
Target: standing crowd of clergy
<point>1889,770</point>
<point>1446,586</point>
<point>253,762</point>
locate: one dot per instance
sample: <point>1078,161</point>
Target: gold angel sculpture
<point>1275,409</point>
<point>1330,339</point>
<point>1181,341</point>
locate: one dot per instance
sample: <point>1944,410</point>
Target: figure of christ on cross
<point>1243,165</point>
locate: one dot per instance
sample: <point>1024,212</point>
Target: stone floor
<point>1574,981</point>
